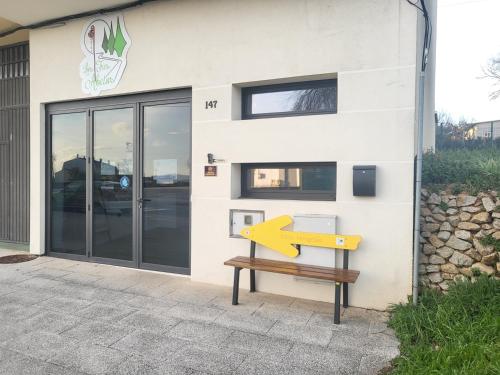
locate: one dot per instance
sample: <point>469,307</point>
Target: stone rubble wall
<point>451,229</point>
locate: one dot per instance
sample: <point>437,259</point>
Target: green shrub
<point>465,170</point>
<point>453,333</point>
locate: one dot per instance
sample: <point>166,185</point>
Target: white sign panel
<point>105,44</point>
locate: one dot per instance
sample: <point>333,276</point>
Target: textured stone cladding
<point>452,227</point>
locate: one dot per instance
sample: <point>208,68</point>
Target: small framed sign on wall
<point>210,170</point>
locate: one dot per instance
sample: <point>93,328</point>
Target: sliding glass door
<point>119,175</point>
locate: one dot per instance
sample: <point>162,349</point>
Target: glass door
<point>68,180</point>
<point>164,203</point>
<point>118,180</point>
<point>112,184</point>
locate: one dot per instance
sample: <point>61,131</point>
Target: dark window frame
<point>248,92</point>
<point>263,193</point>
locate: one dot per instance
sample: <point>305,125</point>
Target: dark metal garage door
<point>14,143</point>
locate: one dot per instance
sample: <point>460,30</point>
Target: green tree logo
<point>111,40</point>
<point>115,42</point>
<point>120,41</point>
<point>104,44</point>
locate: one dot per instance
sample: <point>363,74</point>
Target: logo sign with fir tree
<point>105,43</point>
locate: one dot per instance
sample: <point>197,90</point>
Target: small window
<point>290,99</point>
<point>305,181</point>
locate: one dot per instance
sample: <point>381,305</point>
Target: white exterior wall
<point>211,46</point>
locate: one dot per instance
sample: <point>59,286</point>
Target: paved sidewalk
<point>66,317</point>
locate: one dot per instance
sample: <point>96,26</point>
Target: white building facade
<point>118,169</point>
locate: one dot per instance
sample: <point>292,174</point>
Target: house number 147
<point>211,104</point>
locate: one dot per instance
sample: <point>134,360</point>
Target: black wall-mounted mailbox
<point>364,180</point>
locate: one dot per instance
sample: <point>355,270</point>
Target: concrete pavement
<point>60,316</point>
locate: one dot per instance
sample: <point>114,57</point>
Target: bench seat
<point>296,269</point>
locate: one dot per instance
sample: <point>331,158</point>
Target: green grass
<point>489,240</point>
<point>453,333</point>
<point>467,170</point>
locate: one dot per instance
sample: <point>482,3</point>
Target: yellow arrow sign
<point>270,234</point>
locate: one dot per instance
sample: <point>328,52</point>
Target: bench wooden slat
<point>296,269</point>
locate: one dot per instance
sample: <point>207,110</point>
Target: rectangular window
<point>290,99</point>
<point>304,181</point>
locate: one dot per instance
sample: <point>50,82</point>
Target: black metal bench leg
<point>336,316</point>
<point>252,281</point>
<point>345,295</point>
<point>236,285</point>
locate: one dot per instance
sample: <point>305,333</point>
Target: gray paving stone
<point>346,340</point>
<point>50,321</point>
<point>15,363</point>
<point>48,273</point>
<point>364,314</point>
<point>355,326</point>
<point>274,299</point>
<point>200,332</point>
<point>41,345</point>
<point>97,332</point>
<point>147,302</point>
<point>245,305</point>
<point>192,296</point>
<point>245,322</point>
<point>110,296</point>
<point>304,334</point>
<point>258,346</point>
<point>105,312</point>
<point>11,313</point>
<point>154,347</point>
<point>55,311</point>
<point>6,289</point>
<point>371,364</point>
<point>258,367</point>
<point>314,306</point>
<point>284,313</point>
<point>77,291</point>
<point>64,304</point>
<point>165,289</point>
<point>377,327</point>
<point>90,359</point>
<point>383,345</point>
<point>153,321</point>
<point>212,361</point>
<point>8,332</point>
<point>114,283</point>
<point>80,278</point>
<point>137,365</point>
<point>194,312</point>
<point>40,283</point>
<point>320,359</point>
<point>26,297</point>
<point>9,276</point>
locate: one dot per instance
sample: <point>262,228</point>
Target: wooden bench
<point>340,276</point>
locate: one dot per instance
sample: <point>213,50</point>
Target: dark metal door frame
<point>137,102</point>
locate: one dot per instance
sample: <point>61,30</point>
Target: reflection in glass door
<point>112,189</point>
<point>166,171</point>
<point>68,183</point>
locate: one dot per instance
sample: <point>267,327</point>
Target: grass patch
<point>453,333</point>
<point>467,170</point>
<point>489,240</point>
<point>444,206</point>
